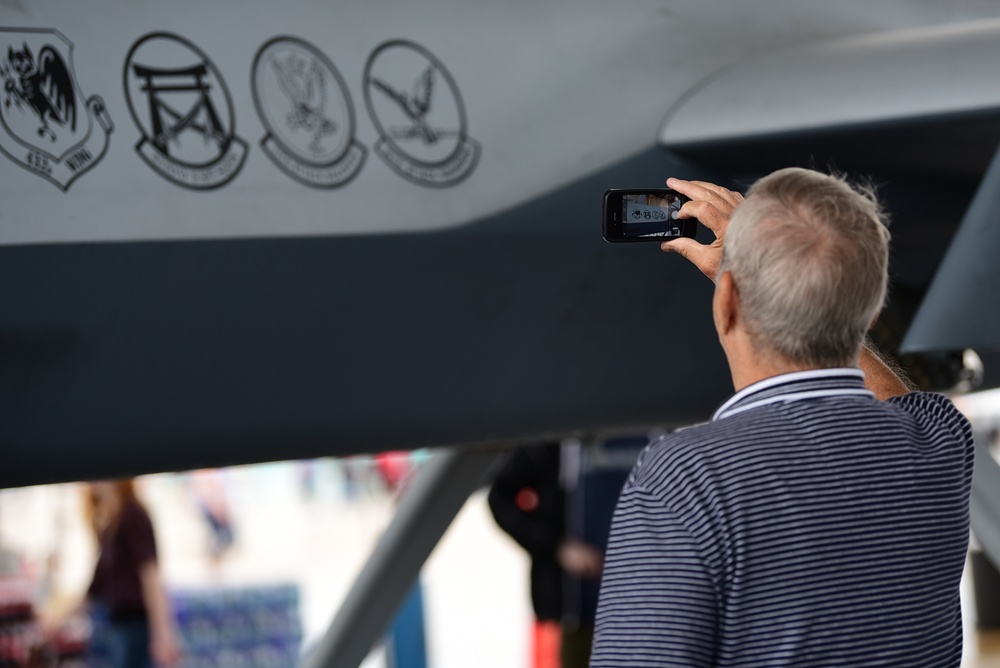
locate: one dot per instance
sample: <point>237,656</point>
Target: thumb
<point>704,257</point>
<point>685,246</point>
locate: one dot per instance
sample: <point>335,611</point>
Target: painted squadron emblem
<point>416,108</point>
<point>50,127</point>
<point>304,105</point>
<point>182,107</point>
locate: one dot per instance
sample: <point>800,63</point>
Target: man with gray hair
<point>821,517</point>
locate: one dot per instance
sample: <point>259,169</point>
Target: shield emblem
<point>49,126</point>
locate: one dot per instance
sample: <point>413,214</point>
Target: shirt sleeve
<point>658,604</point>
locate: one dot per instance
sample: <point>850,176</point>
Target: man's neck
<point>749,377</point>
<point>748,366</point>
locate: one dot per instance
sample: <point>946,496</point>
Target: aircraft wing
<point>916,105</point>
<point>879,78</point>
<point>158,316</point>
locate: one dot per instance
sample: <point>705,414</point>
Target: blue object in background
<point>406,645</point>
<point>590,505</point>
<point>99,651</point>
<point>253,627</point>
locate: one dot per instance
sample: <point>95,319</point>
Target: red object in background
<point>546,645</point>
<point>20,632</point>
<point>73,639</point>
<point>526,499</point>
<point>394,467</point>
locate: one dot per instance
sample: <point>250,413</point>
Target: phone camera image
<point>651,215</point>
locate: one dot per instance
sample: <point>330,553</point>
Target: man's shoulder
<point>932,410</point>
<point>938,404</point>
<point>724,444</point>
<point>683,454</point>
<point>720,433</point>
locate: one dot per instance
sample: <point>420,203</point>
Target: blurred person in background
<point>127,579</point>
<point>529,503</point>
<point>213,504</point>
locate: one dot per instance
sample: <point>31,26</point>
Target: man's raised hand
<point>711,205</point>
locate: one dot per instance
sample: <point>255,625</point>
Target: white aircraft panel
<point>144,120</point>
<point>883,76</point>
<point>216,120</point>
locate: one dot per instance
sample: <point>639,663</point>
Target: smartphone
<point>645,215</point>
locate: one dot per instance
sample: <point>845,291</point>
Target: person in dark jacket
<point>529,503</point>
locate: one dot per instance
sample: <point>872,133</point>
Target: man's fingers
<point>710,215</point>
<point>722,199</point>
<point>711,204</point>
<point>709,192</point>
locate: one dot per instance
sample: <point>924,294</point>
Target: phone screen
<point>648,215</point>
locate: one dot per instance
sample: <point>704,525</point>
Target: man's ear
<point>725,304</point>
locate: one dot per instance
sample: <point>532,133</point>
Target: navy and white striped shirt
<point>808,524</point>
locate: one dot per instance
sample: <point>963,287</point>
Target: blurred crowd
<point>81,577</point>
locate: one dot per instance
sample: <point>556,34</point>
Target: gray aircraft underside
<point>246,231</point>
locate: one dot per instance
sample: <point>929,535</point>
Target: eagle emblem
<point>50,127</point>
<point>44,87</point>
<point>304,105</point>
<point>305,89</point>
<point>415,105</point>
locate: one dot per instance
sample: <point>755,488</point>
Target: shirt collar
<point>795,386</point>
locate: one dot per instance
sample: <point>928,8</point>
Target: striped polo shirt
<point>808,524</point>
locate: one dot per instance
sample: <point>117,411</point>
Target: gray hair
<point>809,256</point>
